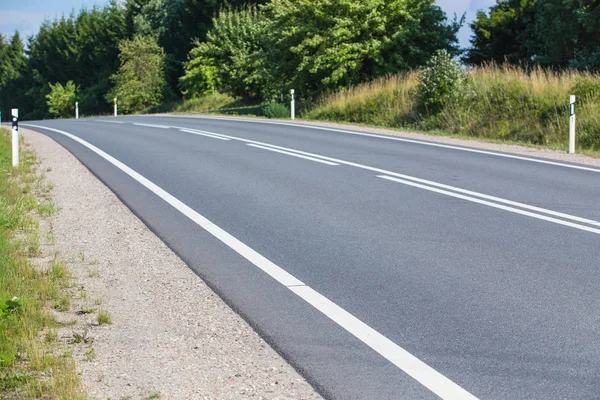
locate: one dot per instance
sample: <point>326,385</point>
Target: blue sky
<point>27,15</point>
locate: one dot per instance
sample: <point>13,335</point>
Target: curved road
<point>380,268</point>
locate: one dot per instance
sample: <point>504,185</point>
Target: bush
<point>441,82</point>
<point>275,110</point>
<point>61,99</point>
<point>209,102</point>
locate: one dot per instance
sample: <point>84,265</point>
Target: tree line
<point>147,52</point>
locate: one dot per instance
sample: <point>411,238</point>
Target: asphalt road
<point>379,268</point>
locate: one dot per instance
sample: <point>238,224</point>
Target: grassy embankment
<point>33,364</point>
<point>507,105</point>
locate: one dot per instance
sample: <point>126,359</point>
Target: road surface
<point>380,268</point>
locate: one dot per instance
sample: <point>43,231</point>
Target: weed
<point>90,354</point>
<point>86,310</point>
<point>82,255</point>
<point>51,336</point>
<point>153,395</point>
<point>104,318</point>
<point>63,304</point>
<point>79,338</point>
<point>45,209</point>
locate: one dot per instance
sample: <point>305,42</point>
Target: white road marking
<point>153,126</point>
<point>411,365</point>
<point>490,204</point>
<point>440,185</point>
<point>111,122</point>
<point>292,154</point>
<point>399,139</point>
<point>201,133</point>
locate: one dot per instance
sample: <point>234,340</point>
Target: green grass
<point>29,368</point>
<point>509,105</point>
<point>104,318</point>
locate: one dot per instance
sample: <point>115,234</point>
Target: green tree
<point>323,44</point>
<point>227,59</point>
<point>13,82</point>
<point>61,99</point>
<point>140,81</point>
<point>504,34</point>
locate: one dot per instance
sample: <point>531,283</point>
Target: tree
<point>13,65</point>
<point>324,44</point>
<point>226,60</point>
<point>61,99</point>
<point>140,81</point>
<point>503,35</point>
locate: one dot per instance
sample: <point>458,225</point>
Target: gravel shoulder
<point>549,154</point>
<point>171,336</point>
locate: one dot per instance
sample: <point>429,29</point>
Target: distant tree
<point>140,81</point>
<point>13,64</point>
<point>227,59</point>
<point>61,99</point>
<point>503,34</point>
<point>320,45</point>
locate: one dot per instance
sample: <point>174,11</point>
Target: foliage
<point>556,33</point>
<point>442,82</point>
<point>209,102</point>
<point>61,99</point>
<point>319,45</point>
<point>227,59</point>
<point>274,109</point>
<point>140,81</point>
<point>507,104</point>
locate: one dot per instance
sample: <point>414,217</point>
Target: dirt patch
<point>163,333</point>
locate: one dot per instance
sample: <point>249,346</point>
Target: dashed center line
<point>292,154</point>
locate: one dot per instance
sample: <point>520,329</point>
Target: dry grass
<point>507,104</point>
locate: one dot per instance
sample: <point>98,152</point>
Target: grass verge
<point>33,365</point>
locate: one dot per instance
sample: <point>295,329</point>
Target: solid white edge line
<point>203,134</point>
<point>153,126</point>
<point>112,122</point>
<point>399,139</point>
<point>291,154</point>
<point>427,182</point>
<point>490,204</point>
<point>417,369</point>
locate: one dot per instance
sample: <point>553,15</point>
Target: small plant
<point>153,395</point>
<point>86,310</point>
<point>45,209</point>
<point>441,82</point>
<point>82,255</point>
<point>275,110</point>
<point>51,336</point>
<point>90,354</point>
<point>11,307</point>
<point>63,304</point>
<point>94,273</point>
<point>81,338</point>
<point>104,318</point>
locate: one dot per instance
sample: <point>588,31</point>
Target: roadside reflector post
<point>15,136</point>
<point>293,104</point>
<point>572,124</point>
<point>115,106</point>
<point>76,110</point>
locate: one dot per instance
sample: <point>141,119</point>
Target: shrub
<point>61,99</point>
<point>275,110</point>
<point>441,82</point>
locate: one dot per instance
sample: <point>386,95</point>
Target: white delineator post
<point>115,106</point>
<point>15,136</point>
<point>293,104</point>
<point>76,110</point>
<point>572,124</point>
